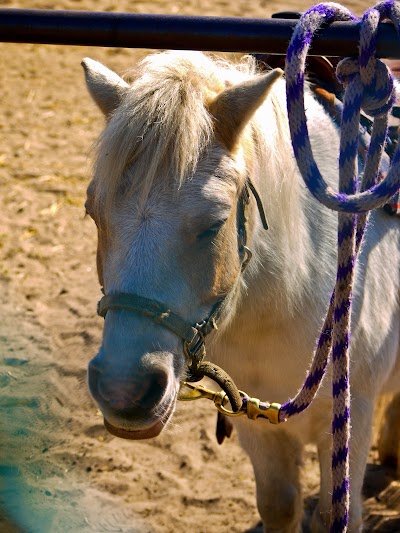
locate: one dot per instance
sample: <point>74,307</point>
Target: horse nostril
<point>142,393</point>
<point>155,390</point>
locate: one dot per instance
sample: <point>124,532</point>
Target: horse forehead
<point>217,178</point>
<point>209,192</point>
<point>142,252</point>
<point>211,187</point>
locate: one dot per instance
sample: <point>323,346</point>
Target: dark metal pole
<point>228,34</point>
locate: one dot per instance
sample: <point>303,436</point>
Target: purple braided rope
<point>369,86</point>
<point>371,173</point>
<point>310,22</point>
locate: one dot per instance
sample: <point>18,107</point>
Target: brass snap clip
<point>253,408</point>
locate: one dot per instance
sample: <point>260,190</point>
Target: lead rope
<point>369,85</point>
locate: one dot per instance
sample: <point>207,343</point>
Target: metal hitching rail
<point>229,34</point>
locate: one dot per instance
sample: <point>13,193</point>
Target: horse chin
<point>141,434</point>
<point>135,434</point>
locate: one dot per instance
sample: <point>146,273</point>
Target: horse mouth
<point>135,434</point>
<point>141,434</point>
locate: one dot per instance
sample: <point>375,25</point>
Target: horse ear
<point>105,87</point>
<point>234,107</point>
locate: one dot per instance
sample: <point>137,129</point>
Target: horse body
<point>179,143</point>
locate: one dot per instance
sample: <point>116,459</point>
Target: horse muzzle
<point>136,405</point>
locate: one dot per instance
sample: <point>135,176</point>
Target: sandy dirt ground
<point>60,471</point>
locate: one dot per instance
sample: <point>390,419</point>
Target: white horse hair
<point>179,142</point>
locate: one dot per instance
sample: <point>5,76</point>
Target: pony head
<point>171,168</point>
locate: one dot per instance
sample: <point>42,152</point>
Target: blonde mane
<point>163,125</point>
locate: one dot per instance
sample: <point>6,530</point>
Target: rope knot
<point>374,80</point>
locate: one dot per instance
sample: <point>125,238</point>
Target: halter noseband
<point>193,336</point>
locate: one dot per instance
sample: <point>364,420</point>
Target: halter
<point>193,336</point>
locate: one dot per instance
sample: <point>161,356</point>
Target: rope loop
<point>363,85</point>
<point>375,77</point>
<point>378,96</point>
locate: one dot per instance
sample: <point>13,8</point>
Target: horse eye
<point>212,231</point>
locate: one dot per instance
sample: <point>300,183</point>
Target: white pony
<point>180,143</point>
